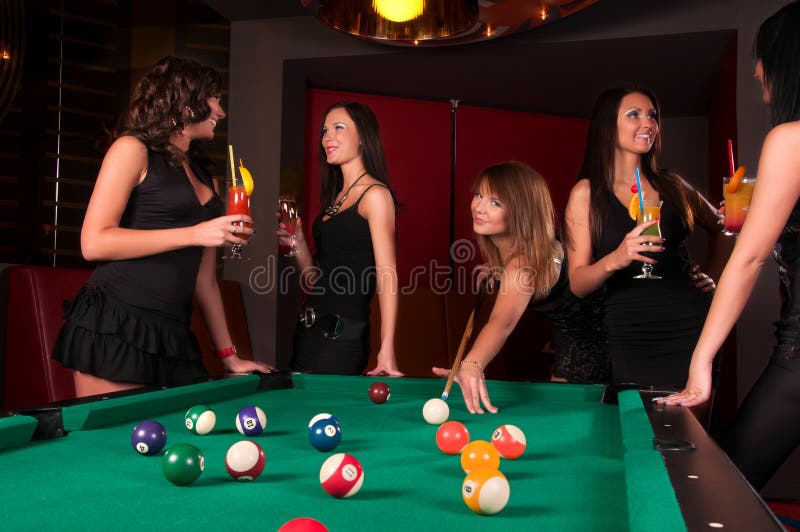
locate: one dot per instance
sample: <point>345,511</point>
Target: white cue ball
<point>435,411</point>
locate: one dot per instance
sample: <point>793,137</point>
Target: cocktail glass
<point>651,211</point>
<point>238,203</point>
<point>737,203</point>
<point>288,209</point>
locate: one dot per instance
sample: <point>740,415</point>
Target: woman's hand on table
<point>386,367</point>
<point>234,364</point>
<point>473,387</point>
<point>698,388</point>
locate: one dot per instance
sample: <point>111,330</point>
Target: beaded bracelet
<point>227,352</point>
<point>475,362</point>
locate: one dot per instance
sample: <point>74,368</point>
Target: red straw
<point>730,157</point>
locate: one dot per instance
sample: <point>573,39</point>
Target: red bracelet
<point>227,352</point>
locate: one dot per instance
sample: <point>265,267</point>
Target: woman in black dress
<point>765,431</point>
<point>652,324</point>
<point>355,256</point>
<point>153,224</point>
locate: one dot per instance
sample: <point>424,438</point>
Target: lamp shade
<point>401,20</point>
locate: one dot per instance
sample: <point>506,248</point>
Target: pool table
<point>589,465</point>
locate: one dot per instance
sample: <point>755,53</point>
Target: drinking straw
<point>233,169</point>
<point>730,156</point>
<point>641,194</point>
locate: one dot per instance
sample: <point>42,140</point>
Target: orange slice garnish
<point>633,207</point>
<point>736,179</point>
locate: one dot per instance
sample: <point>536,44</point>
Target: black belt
<point>333,326</point>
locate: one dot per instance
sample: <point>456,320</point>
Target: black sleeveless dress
<point>130,322</point>
<point>580,350</point>
<point>652,324</point>
<point>345,288</point>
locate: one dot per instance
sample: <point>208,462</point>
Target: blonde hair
<point>530,219</point>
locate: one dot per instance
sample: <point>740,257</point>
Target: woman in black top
<point>355,257</point>
<point>153,224</point>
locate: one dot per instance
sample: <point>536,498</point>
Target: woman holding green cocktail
<point>765,431</point>
<point>626,212</point>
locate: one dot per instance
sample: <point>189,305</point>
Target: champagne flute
<point>238,203</point>
<point>651,211</point>
<point>289,212</point>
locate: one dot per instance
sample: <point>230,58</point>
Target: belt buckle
<point>308,317</point>
<point>332,326</point>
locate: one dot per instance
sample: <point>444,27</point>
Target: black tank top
<point>346,261</point>
<point>787,255</point>
<point>165,282</point>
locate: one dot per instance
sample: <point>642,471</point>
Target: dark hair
<point>171,96</point>
<point>371,152</point>
<point>777,45</point>
<point>598,161</point>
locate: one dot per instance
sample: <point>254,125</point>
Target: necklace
<point>333,208</point>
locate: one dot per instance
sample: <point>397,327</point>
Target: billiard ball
<point>149,437</point>
<point>200,419</point>
<point>303,524</point>
<point>509,441</point>
<point>451,437</point>
<point>341,475</point>
<point>182,464</point>
<point>321,415</point>
<point>379,392</point>
<point>325,435</point>
<point>479,454</point>
<point>485,491</point>
<point>245,460</point>
<point>251,421</point>
<point>435,411</point>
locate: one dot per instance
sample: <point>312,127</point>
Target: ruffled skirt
<point>111,340</point>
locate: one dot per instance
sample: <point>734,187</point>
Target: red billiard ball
<point>341,475</point>
<point>245,460</point>
<point>451,437</point>
<point>303,524</point>
<point>509,441</point>
<point>379,392</point>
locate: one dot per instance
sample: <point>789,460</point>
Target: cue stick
<point>464,341</point>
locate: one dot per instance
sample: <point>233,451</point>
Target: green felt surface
<point>16,430</point>
<point>571,477</point>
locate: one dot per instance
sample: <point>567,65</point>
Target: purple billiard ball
<point>149,437</point>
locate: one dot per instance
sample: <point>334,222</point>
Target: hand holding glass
<point>651,211</point>
<point>288,211</point>
<point>238,203</point>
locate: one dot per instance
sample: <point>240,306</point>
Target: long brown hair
<point>530,219</point>
<point>598,162</point>
<point>171,96</point>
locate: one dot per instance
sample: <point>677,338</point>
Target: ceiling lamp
<point>401,20</point>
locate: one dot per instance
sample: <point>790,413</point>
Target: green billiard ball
<point>182,464</point>
<point>200,419</point>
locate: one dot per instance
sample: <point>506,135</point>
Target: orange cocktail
<point>737,203</point>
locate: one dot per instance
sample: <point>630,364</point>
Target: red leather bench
<point>35,309</point>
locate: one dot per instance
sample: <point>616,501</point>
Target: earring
<point>190,111</point>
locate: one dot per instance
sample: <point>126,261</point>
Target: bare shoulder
<point>377,198</point>
<point>125,159</point>
<point>581,191</point>
<point>128,144</point>
<point>785,135</point>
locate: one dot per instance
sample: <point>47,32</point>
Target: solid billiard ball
<point>245,460</point>
<point>149,437</point>
<point>509,441</point>
<point>303,524</point>
<point>251,421</point>
<point>182,464</point>
<point>485,491</point>
<point>451,437</point>
<point>379,392</point>
<point>325,435</point>
<point>341,475</point>
<point>435,411</point>
<point>479,454</point>
<point>322,415</point>
<point>200,419</point>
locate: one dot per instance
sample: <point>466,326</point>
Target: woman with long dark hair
<point>356,251</point>
<point>765,430</point>
<point>153,224</point>
<point>652,324</point>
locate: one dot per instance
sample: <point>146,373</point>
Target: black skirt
<point>115,341</point>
